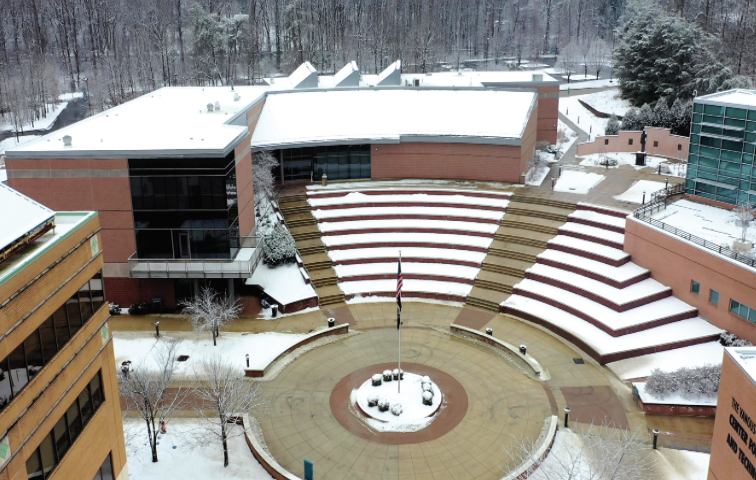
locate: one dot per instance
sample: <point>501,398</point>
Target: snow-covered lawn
<point>694,356</point>
<point>53,110</point>
<point>263,348</point>
<point>182,456</point>
<point>635,193</point>
<point>536,178</point>
<point>714,224</point>
<point>11,142</point>
<point>596,217</point>
<point>619,274</point>
<point>284,283</point>
<point>608,102</point>
<point>601,83</point>
<point>595,232</point>
<point>581,116</point>
<point>570,136</point>
<point>682,465</point>
<point>624,158</point>
<point>574,181</point>
<point>673,399</point>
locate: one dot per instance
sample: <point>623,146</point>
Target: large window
<point>743,311</point>
<point>50,452</point>
<point>28,359</point>
<point>185,208</point>
<point>106,470</point>
<point>335,161</point>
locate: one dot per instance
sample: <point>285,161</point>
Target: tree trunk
<point>215,344</point>
<point>225,448</point>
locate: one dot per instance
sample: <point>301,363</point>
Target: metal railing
<point>659,202</point>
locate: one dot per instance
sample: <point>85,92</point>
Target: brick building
<point>60,414</point>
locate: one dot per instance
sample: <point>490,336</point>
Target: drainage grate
<point>579,361</point>
<point>183,358</point>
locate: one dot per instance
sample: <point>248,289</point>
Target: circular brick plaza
<point>487,405</point>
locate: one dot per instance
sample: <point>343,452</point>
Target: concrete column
<point>231,287</point>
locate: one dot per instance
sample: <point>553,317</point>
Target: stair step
<point>499,287</point>
<point>312,250</point>
<point>538,214</point>
<point>512,254</point>
<point>306,236</point>
<point>492,267</point>
<point>331,299</point>
<point>522,240</point>
<point>295,210</point>
<point>292,198</point>
<point>483,303</point>
<point>301,222</point>
<point>543,201</point>
<point>529,226</point>
<point>325,282</point>
<point>311,267</point>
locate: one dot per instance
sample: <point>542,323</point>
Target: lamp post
<point>247,358</point>
<point>157,328</point>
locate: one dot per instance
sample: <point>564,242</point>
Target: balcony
<point>241,266</point>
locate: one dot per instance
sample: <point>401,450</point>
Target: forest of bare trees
<point>121,48</point>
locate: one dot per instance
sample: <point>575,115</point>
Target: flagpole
<point>399,378</point>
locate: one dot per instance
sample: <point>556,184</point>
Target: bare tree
<point>147,390</point>
<point>211,311</point>
<point>568,60</point>
<point>591,453</point>
<point>598,55</point>
<point>744,213</point>
<point>223,395</point>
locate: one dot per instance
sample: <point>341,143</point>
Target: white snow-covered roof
<point>348,76</point>
<point>746,358</point>
<point>391,75</point>
<point>735,98</point>
<point>392,116</point>
<point>170,121</point>
<point>19,215</point>
<point>478,79</point>
<point>305,76</point>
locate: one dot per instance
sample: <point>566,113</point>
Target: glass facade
<point>185,207</point>
<point>28,359</point>
<point>106,470</point>
<point>336,161</point>
<point>721,157</point>
<point>42,462</point>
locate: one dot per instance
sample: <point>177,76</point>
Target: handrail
<point>659,202</point>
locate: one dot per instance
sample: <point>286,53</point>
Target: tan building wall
<point>31,415</point>
<point>667,145</point>
<point>731,452</point>
<point>676,263</point>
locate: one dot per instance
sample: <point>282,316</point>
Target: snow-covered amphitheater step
<point>617,277</point>
<point>588,249</point>
<point>377,198</point>
<point>600,220</point>
<point>408,226</point>
<point>410,270</point>
<point>598,235</point>
<point>400,212</point>
<point>603,347</point>
<point>619,299</point>
<point>447,256</point>
<point>653,314</point>
<point>399,240</point>
<point>450,291</point>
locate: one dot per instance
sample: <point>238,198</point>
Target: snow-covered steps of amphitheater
<point>408,226</point>
<point>410,270</point>
<point>589,249</point>
<point>617,277</point>
<point>596,219</point>
<point>449,291</point>
<point>606,348</point>
<point>590,233</point>
<point>448,256</point>
<point>399,240</point>
<point>461,214</point>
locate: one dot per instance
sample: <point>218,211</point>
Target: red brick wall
<point>669,145</point>
<point>446,161</point>
<point>244,188</point>
<point>675,263</point>
<point>548,113</point>
<point>125,291</point>
<point>529,139</point>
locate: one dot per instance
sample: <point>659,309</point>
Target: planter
<point>377,380</point>
<point>739,246</point>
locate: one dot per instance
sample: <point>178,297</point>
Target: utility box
<point>309,470</point>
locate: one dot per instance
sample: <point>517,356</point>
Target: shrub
<point>139,308</point>
<point>428,398</point>
<point>387,375</point>
<point>612,126</point>
<point>687,382</point>
<point>372,400</point>
<point>377,379</point>
<point>383,404</point>
<point>114,309</point>
<point>396,409</point>
<point>732,340</point>
<point>543,145</point>
<point>279,247</point>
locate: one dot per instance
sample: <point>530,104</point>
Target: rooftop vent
<point>209,107</point>
<point>67,140</point>
<point>217,106</point>
<point>537,77</point>
<point>236,97</point>
<point>416,82</point>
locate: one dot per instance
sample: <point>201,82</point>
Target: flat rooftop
<point>19,216</point>
<point>734,98</point>
<point>65,224</point>
<point>171,121</point>
<point>392,115</point>
<point>746,358</point>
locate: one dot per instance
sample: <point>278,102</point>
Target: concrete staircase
<point>524,232</point>
<point>304,228</point>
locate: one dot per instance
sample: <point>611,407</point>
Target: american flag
<point>399,284</point>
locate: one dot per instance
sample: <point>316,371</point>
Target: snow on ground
<point>601,83</point>
<point>283,283</point>
<point>430,238</point>
<point>67,97</point>
<point>408,268</point>
<point>414,416</point>
<point>182,455</point>
<point>634,194</point>
<point>439,254</point>
<point>536,178</point>
<point>3,174</point>
<point>263,348</point>
<point>43,123</point>
<point>673,399</point>
<point>625,158</point>
<point>410,285</point>
<point>574,181</point>
<point>714,224</point>
<point>608,102</point>
<point>399,224</point>
<point>569,135</point>
<point>581,116</point>
<point>681,464</point>
<point>399,211</point>
<point>11,142</point>
<point>359,197</point>
<point>694,356</point>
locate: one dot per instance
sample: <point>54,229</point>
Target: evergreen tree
<point>680,114</point>
<point>662,117</point>
<point>279,247</point>
<point>630,121</point>
<point>645,117</point>
<point>612,126</point>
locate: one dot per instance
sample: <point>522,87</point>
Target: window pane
<point>74,421</point>
<point>47,334</point>
<point>5,386</point>
<point>17,365</point>
<point>95,388</point>
<point>752,315</point>
<point>98,293</point>
<point>743,311</point>
<point>734,306</point>
<point>47,452</point>
<point>61,326</point>
<point>736,112</point>
<point>60,435</point>
<point>34,467</point>
<point>106,471</point>
<point>33,354</point>
<point>85,404</point>
<point>85,304</point>
<point>714,109</point>
<point>714,297</point>
<point>695,287</point>
<point>74,314</point>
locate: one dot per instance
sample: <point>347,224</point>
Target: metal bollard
<point>157,328</point>
<point>553,182</point>
<point>523,349</point>
<point>643,202</point>
<point>247,357</point>
<point>489,331</point>
<point>656,437</point>
<point>666,183</point>
<point>331,322</point>
<point>566,417</point>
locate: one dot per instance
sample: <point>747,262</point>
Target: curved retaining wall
<point>336,330</point>
<point>501,344</point>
